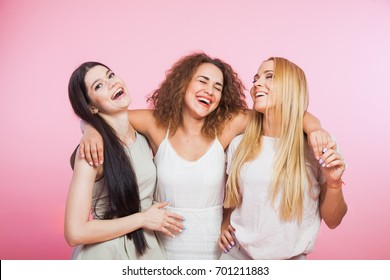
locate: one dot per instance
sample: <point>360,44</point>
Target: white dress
<point>260,232</point>
<point>194,189</point>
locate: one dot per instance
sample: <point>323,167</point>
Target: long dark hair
<point>119,177</point>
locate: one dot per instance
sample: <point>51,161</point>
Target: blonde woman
<point>277,191</point>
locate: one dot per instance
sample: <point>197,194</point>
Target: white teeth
<point>204,100</point>
<point>258,94</point>
<point>118,93</point>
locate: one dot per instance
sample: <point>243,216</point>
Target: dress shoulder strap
<point>167,134</point>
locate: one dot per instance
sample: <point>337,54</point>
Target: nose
<point>111,83</point>
<point>209,90</point>
<point>258,83</point>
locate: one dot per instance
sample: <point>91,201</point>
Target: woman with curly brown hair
<point>189,133</point>
<point>198,109</point>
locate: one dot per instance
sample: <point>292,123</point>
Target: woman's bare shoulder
<point>234,127</point>
<point>145,122</point>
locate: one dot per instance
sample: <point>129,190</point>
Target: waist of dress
<point>199,240</point>
<point>192,210</point>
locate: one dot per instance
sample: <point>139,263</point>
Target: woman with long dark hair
<point>109,210</point>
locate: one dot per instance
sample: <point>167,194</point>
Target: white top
<point>194,189</point>
<point>259,229</point>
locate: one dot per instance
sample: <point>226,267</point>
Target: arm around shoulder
<point>318,138</point>
<point>142,120</point>
<point>234,127</point>
<point>332,203</point>
<point>145,123</point>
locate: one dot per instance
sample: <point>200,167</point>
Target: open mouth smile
<point>118,93</point>
<point>260,94</point>
<point>204,101</point>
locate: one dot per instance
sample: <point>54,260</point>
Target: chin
<point>260,109</point>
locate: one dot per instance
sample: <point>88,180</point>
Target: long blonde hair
<point>290,176</point>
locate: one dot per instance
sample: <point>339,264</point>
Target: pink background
<point>344,47</point>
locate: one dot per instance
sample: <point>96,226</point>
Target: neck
<point>190,125</point>
<point>120,123</point>
<point>270,126</point>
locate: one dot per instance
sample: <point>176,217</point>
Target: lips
<point>260,94</point>
<point>118,93</point>
<point>204,100</point>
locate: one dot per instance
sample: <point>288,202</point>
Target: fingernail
<point>324,165</point>
<point>229,247</point>
<point>90,163</point>
<point>232,242</point>
<point>327,165</point>
<point>317,157</point>
<point>101,162</point>
<point>82,156</point>
<point>324,150</point>
<point>173,236</point>
<point>184,227</point>
<point>96,164</point>
<point>225,251</point>
<point>321,161</point>
<point>184,219</point>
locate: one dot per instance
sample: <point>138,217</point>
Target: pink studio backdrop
<point>342,45</point>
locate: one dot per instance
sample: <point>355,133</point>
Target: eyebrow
<point>265,72</point>
<point>108,71</point>
<point>208,79</point>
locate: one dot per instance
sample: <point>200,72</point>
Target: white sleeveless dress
<point>195,190</point>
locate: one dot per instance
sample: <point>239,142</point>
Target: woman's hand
<point>318,141</point>
<point>91,146</point>
<point>333,165</point>
<point>158,219</point>
<point>226,240</point>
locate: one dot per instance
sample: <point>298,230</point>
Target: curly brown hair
<point>168,99</point>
